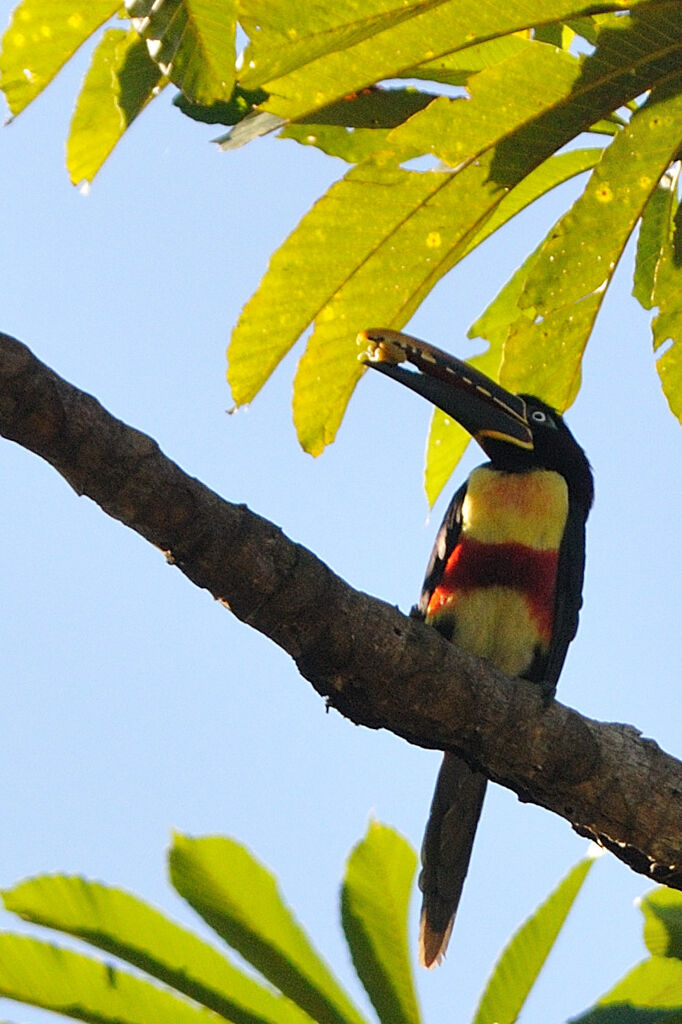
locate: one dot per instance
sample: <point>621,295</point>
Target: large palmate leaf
<point>371,250</point>
<point>41,37</point>
<point>128,928</point>
<point>374,903</point>
<point>402,231</point>
<point>240,900</point>
<point>568,280</point>
<point>332,55</point>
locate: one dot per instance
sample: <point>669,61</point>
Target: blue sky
<point>133,703</point>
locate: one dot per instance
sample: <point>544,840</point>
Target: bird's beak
<point>475,401</point>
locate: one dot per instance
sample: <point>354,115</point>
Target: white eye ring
<point>538,416</point>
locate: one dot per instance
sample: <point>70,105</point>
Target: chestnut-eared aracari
<point>505,577</point>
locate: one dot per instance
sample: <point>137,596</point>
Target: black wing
<point>446,539</point>
<point>569,593</point>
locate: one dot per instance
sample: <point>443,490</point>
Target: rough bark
<point>373,664</point>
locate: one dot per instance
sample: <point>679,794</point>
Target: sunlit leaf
<point>648,994</point>
<point>342,230</point>
<point>121,80</point>
<point>431,235</point>
<point>374,904</point>
<point>544,358</point>
<point>192,41</point>
<point>567,282</point>
<point>41,37</point>
<point>667,325</point>
<point>57,979</point>
<point>662,911</point>
<point>521,961</point>
<point>128,928</point>
<point>654,232</point>
<point>589,239</point>
<point>457,68</point>
<point>351,146</point>
<point>329,56</point>
<point>240,900</point>
<point>390,282</point>
<point>378,241</point>
<point>392,274</point>
<point>504,97</point>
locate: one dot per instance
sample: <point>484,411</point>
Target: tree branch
<point>373,664</point>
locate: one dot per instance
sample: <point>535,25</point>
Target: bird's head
<point>517,432</point>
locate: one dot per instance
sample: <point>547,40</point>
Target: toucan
<point>505,577</point>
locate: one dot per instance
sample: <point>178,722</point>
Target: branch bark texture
<point>376,666</point>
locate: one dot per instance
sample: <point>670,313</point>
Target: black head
<point>517,432</point>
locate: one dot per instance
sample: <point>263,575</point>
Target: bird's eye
<point>538,416</point>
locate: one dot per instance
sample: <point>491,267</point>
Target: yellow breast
<point>525,508</point>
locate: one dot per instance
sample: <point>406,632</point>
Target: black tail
<point>446,850</point>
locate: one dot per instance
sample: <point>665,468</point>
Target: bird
<point>505,577</point>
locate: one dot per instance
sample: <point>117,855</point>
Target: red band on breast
<point>530,571</point>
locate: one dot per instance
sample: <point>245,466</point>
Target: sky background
<point>133,704</point>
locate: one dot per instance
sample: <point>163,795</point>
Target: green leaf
<point>438,218</point>
<point>240,103</point>
<point>662,911</point>
<point>130,929</point>
<point>41,37</point>
<point>669,363</point>
<point>352,146</point>
<point>427,220</point>
<point>457,68</point>
<point>568,280</point>
<point>503,98</point>
<point>240,900</point>
<point>344,229</point>
<point>412,228</point>
<point>648,994</point>
<point>57,979</point>
<point>520,963</point>
<point>374,904</point>
<point>121,80</point>
<point>192,41</point>
<point>654,232</point>
<point>379,240</point>
<point>667,325</point>
<point>445,445</point>
<point>585,246</point>
<point>333,53</point>
<point>544,358</point>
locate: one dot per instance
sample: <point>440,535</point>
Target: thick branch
<point>377,667</point>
